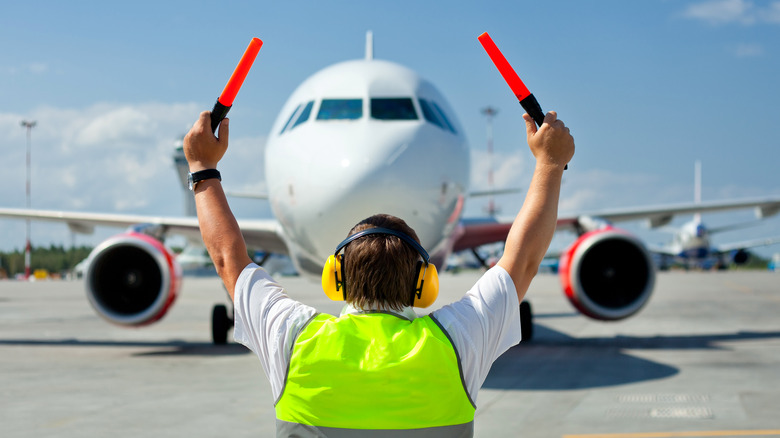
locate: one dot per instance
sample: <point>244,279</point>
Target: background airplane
<point>357,138</point>
<point>691,244</point>
<point>691,247</point>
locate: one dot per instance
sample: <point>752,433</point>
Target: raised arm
<point>532,230</point>
<point>218,226</point>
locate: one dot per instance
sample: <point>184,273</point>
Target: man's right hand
<point>201,148</point>
<point>551,143</point>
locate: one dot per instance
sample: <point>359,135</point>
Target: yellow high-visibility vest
<point>375,371</point>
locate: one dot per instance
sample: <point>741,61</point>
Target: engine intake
<point>607,274</point>
<point>741,256</point>
<point>132,279</point>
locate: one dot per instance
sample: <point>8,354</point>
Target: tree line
<point>55,259</point>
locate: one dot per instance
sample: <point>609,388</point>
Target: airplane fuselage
<point>692,242</point>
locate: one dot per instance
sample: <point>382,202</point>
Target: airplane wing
<point>476,232</point>
<point>265,234</point>
<point>479,193</point>
<point>661,250</point>
<point>246,195</point>
<point>660,215</point>
<point>747,244</point>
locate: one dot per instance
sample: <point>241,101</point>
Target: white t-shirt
<point>482,325</point>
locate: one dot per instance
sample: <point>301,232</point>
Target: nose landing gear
<point>221,324</point>
<point>526,321</point>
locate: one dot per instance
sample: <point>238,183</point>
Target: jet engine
<point>607,274</point>
<point>132,279</point>
<point>740,256</point>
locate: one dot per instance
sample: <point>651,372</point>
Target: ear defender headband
<point>426,286</point>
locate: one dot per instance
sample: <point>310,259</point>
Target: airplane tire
<point>220,324</point>
<point>526,321</point>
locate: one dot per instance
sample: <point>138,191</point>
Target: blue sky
<point>646,87</point>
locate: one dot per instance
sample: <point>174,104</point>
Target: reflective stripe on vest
<point>374,371</point>
<point>285,429</point>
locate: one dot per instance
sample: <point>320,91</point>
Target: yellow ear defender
<point>426,287</point>
<point>332,279</point>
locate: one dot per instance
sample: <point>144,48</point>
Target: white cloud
<point>598,189</point>
<point>722,11</point>
<point>743,12</point>
<point>106,158</point>
<point>38,68</point>
<point>772,13</point>
<point>120,124</point>
<point>509,170</point>
<point>747,50</point>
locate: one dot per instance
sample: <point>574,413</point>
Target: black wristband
<point>196,177</point>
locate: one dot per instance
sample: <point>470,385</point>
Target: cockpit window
<point>444,117</point>
<point>304,115</point>
<point>430,114</point>
<point>393,108</point>
<point>340,109</point>
<point>290,119</point>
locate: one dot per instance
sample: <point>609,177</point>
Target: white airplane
<point>691,245</point>
<point>354,139</point>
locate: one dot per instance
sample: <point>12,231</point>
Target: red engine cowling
<point>607,274</point>
<point>132,279</point>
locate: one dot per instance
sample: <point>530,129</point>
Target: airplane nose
<point>384,175</point>
<point>402,172</point>
<point>345,172</point>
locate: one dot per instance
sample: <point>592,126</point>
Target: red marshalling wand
<point>225,100</point>
<point>527,100</point>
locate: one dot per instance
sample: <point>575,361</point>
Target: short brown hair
<point>380,269</point>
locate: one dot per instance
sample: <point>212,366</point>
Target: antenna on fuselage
<point>369,45</point>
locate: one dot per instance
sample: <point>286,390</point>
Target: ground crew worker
<point>378,366</point>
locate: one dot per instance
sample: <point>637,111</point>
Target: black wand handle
<point>217,114</point>
<point>532,107</point>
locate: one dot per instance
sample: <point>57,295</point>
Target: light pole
<point>29,125</point>
<point>490,112</point>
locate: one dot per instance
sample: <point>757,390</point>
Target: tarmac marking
<point>731,433</point>
<point>745,289</point>
<point>738,287</point>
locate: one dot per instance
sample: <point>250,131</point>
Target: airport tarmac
<point>701,359</point>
